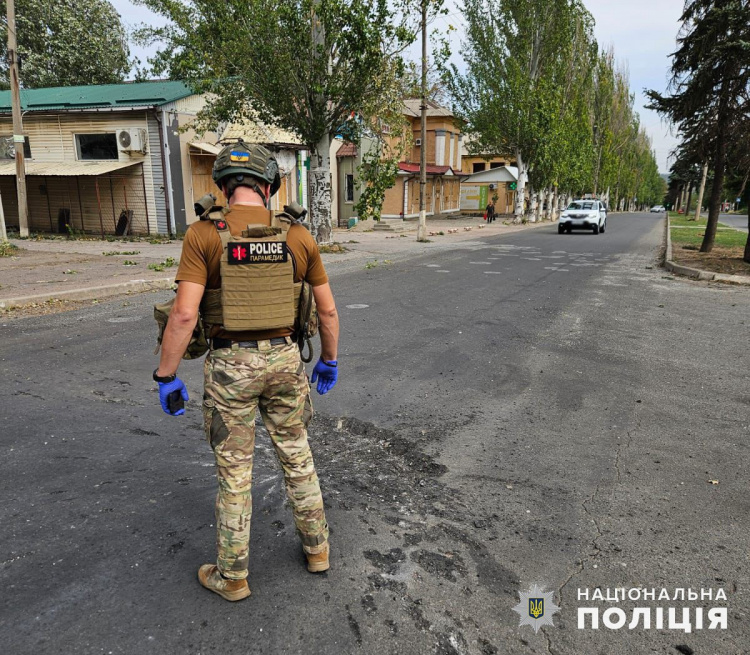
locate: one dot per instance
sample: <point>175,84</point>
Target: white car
<point>583,215</point>
<point>658,209</point>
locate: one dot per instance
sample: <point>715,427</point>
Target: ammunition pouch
<point>198,345</point>
<point>306,320</point>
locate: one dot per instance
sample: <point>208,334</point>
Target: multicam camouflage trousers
<point>272,379</point>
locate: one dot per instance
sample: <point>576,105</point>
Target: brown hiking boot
<point>319,562</point>
<point>210,578</point>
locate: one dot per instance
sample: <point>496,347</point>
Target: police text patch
<point>257,252</point>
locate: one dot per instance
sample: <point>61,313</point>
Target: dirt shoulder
<point>720,260</point>
<point>726,257</point>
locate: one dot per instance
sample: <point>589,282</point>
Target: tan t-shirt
<point>201,259</point>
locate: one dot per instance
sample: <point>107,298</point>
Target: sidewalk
<point>51,270</point>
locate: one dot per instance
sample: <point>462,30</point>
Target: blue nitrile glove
<point>326,374</point>
<point>167,388</point>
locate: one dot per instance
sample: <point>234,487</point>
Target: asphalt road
<point>735,220</point>
<point>536,408</point>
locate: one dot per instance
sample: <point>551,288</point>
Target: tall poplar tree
<point>709,86</point>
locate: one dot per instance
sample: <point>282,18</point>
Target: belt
<point>217,343</point>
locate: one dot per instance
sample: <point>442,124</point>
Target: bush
<point>7,249</point>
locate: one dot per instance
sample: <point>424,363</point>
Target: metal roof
<point>65,168</point>
<point>497,174</point>
<point>431,169</point>
<point>102,96</point>
<point>347,150</point>
<point>413,108</point>
<point>255,131</point>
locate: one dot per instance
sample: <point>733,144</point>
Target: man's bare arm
<point>182,320</point>
<point>329,322</point>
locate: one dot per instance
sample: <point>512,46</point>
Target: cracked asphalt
<point>527,409</point>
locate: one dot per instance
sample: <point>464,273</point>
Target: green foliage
<point>709,101</point>
<point>112,253</point>
<point>313,67</point>
<point>167,263</point>
<point>292,64</point>
<point>725,237</point>
<point>333,248</point>
<point>73,233</point>
<point>376,174</point>
<point>8,249</point>
<point>536,87</point>
<point>66,42</point>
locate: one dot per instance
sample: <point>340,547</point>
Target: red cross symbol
<point>239,253</point>
<point>221,225</point>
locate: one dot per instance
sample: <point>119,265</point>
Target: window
<point>588,205</point>
<point>479,166</point>
<point>497,164</point>
<point>8,148</point>
<point>349,188</point>
<point>96,146</point>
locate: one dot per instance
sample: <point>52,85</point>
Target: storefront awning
<point>65,168</point>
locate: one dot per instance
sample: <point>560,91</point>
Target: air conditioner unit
<point>417,142</point>
<point>132,140</point>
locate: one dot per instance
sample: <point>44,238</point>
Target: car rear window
<point>581,205</point>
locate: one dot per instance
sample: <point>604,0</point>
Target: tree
<point>386,137</point>
<point>709,84</point>
<point>308,66</point>
<point>507,94</point>
<point>537,86</point>
<point>412,83</point>
<point>738,182</point>
<point>66,42</point>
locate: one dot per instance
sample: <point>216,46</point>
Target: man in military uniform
<point>252,368</point>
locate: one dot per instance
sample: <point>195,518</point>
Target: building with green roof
<point>131,95</point>
<point>103,159</point>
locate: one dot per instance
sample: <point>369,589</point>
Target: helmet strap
<point>262,195</point>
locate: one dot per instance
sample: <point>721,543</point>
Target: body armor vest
<point>257,277</point>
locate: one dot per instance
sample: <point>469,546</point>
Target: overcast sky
<point>641,31</point>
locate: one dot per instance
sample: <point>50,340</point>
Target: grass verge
<point>725,257</point>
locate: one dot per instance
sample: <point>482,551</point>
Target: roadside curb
<point>697,273</point>
<point>89,293</point>
<point>139,286</point>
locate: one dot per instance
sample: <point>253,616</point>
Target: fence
<point>112,203</point>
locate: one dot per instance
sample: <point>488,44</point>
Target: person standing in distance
<point>253,362</point>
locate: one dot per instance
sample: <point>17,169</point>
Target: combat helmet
<point>240,160</point>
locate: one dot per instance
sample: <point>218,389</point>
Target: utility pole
<point>700,192</point>
<point>18,137</point>
<point>422,229</point>
<point>3,231</point>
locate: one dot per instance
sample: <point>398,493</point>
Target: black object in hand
<point>175,401</point>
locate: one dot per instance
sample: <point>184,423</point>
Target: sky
<point>642,33</point>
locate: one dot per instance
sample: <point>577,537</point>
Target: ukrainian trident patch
<point>536,608</point>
